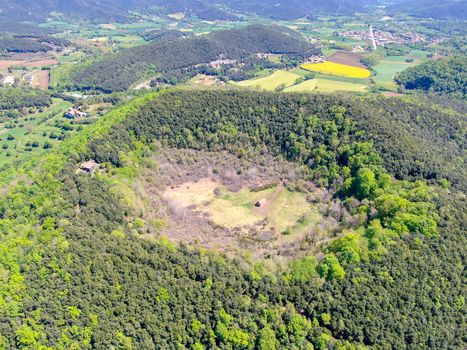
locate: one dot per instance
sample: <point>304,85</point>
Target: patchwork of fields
<point>291,82</point>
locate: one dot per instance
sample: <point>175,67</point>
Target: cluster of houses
<point>74,113</point>
<point>222,62</point>
<point>383,38</point>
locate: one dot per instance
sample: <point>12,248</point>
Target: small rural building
<point>260,203</point>
<point>8,80</point>
<point>315,59</point>
<point>358,48</point>
<point>74,113</point>
<point>89,166</point>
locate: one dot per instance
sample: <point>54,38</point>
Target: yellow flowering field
<point>332,68</point>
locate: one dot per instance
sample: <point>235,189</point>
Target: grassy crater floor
<point>208,200</point>
<point>285,211</point>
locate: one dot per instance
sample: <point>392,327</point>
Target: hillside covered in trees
<point>77,271</point>
<point>447,76</point>
<point>219,10</point>
<point>433,9</point>
<point>122,70</point>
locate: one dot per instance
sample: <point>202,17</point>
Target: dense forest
<point>163,34</point>
<point>30,42</point>
<point>77,275</point>
<point>122,70</point>
<point>20,97</point>
<point>447,76</point>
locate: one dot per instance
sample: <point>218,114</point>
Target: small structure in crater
<point>260,203</point>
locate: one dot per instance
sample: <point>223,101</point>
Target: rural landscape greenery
<point>232,174</point>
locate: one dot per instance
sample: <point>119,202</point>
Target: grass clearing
<point>272,81</point>
<point>283,211</point>
<point>338,69</point>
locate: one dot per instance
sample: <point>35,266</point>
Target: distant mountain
<point>117,10</point>
<point>433,8</point>
<point>291,9</point>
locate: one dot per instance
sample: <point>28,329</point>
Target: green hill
<point>447,76</point>
<point>79,268</point>
<point>119,72</point>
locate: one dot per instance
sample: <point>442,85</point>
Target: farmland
<point>347,58</point>
<point>4,64</point>
<point>337,69</point>
<point>326,85</point>
<point>272,81</point>
<point>387,69</point>
<point>282,209</point>
<point>40,79</point>
<point>291,82</point>
<point>32,134</point>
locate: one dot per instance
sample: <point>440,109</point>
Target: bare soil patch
<point>348,58</point>
<point>4,64</point>
<point>40,79</point>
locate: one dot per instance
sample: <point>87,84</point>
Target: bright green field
<point>325,85</point>
<point>272,81</point>
<point>387,69</point>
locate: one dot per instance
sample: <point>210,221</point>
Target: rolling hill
<point>447,76</point>
<point>121,71</point>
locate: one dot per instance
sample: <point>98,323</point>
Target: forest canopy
<point>447,76</point>
<point>77,274</point>
<point>19,97</point>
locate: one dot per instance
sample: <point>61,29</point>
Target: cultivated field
<point>272,81</point>
<point>387,69</point>
<point>348,58</point>
<point>31,133</point>
<point>4,64</point>
<point>338,69</point>
<point>325,85</point>
<point>40,79</point>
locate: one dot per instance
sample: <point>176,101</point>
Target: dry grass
<point>272,81</point>
<point>324,85</point>
<point>282,211</point>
